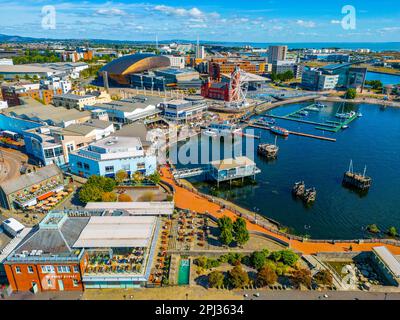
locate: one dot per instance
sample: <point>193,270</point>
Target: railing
<point>266,223</point>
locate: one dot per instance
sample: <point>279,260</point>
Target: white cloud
<point>306,24</point>
<point>111,12</point>
<point>336,22</point>
<point>194,12</point>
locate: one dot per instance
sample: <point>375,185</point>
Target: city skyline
<point>264,21</point>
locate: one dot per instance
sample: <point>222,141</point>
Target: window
<point>30,269</point>
<point>141,166</point>
<point>126,167</point>
<point>48,153</point>
<point>79,164</point>
<point>86,166</point>
<point>63,269</point>
<point>49,282</point>
<point>48,269</point>
<point>75,282</point>
<point>110,169</point>
<point>17,269</point>
<point>76,269</point>
<point>70,148</point>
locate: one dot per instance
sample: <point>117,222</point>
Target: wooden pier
<point>302,134</point>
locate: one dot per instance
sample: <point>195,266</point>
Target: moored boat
<point>280,131</point>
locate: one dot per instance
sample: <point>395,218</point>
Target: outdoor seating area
<point>43,206</point>
<point>127,261</point>
<point>161,263</point>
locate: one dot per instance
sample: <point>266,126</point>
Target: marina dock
<point>302,134</point>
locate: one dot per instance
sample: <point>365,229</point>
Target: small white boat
<point>359,115</point>
<point>345,126</point>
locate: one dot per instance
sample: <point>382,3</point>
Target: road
<point>320,295</point>
<point>9,168</point>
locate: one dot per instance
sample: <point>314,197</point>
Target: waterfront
<point>373,140</point>
<point>385,78</point>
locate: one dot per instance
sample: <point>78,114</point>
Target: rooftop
<point>117,232</point>
<point>387,257</point>
<point>24,69</point>
<point>232,163</point>
<point>30,179</point>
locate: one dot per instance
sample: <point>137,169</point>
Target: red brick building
<point>45,259</point>
<point>216,90</point>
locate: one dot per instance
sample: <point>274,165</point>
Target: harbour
<point>338,212</point>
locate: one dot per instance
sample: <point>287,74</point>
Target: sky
<point>211,20</point>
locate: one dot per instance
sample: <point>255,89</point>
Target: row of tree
<point>286,76</point>
<point>233,231</point>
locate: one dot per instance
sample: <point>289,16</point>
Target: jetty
<point>357,180</point>
<point>302,134</point>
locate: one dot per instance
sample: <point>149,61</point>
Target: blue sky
<point>228,20</point>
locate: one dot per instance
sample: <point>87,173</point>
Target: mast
<point>365,171</point>
<point>351,166</point>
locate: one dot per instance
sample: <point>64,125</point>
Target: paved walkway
<point>185,199</point>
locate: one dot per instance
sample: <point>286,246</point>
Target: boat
<point>320,105</point>
<point>303,113</point>
<point>344,115</point>
<point>222,129</point>
<point>359,115</point>
<point>345,126</point>
<point>270,151</point>
<point>311,108</point>
<point>310,195</point>
<point>299,189</point>
<point>280,131</point>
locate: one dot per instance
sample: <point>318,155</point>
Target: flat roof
<point>117,232</point>
<point>29,179</point>
<point>24,69</point>
<point>232,163</point>
<point>387,257</point>
<point>135,208</point>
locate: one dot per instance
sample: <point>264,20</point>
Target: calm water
<point>384,78</point>
<point>373,140</point>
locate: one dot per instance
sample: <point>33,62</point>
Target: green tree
<point>90,193</point>
<point>226,237</point>
<point>289,258</point>
<point>238,278</point>
<point>155,177</point>
<point>373,228</point>
<point>138,177</point>
<point>258,259</point>
<point>225,223</point>
<point>276,256</point>
<point>241,233</point>
<point>266,276</point>
<point>351,93</point>
<point>392,231</point>
<point>216,279</point>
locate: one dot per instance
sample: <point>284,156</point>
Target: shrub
<point>392,231</point>
<point>121,176</point>
<point>301,277</point>
<point>90,193</point>
<point>258,259</point>
<point>289,258</point>
<point>324,277</point>
<point>124,198</point>
<point>216,279</point>
<point>109,197</point>
<point>373,228</point>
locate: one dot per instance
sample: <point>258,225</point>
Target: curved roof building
<point>119,69</point>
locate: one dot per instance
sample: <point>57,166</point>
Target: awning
<point>46,195</point>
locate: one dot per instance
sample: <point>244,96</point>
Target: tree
<point>225,223</point>
<point>392,231</point>
<point>216,279</point>
<point>240,231</point>
<point>109,197</point>
<point>90,193</point>
<point>104,183</point>
<point>155,177</point>
<point>324,277</point>
<point>147,196</point>
<point>238,278</point>
<point>138,177</point>
<point>226,237</point>
<point>275,256</point>
<point>258,259</point>
<point>301,277</point>
<point>266,276</point>
<point>289,258</point>
<point>121,176</point>
<point>125,198</point>
<point>373,228</point>
<point>351,93</point>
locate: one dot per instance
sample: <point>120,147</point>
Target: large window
<point>63,269</point>
<point>30,269</point>
<point>48,269</point>
<point>48,153</point>
<point>86,166</point>
<point>110,169</point>
<point>17,269</point>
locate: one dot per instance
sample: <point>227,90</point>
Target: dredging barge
<point>357,180</point>
<point>307,195</point>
